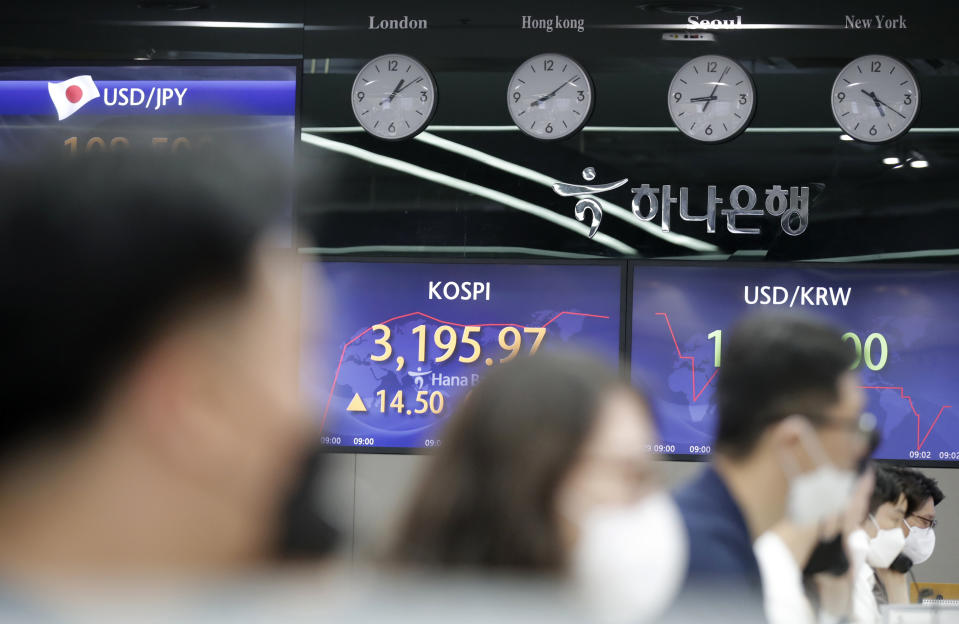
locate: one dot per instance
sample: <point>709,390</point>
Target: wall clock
<point>875,98</point>
<point>550,96</point>
<point>711,99</point>
<point>393,97</point>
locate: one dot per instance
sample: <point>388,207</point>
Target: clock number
<point>360,95</point>
<point>908,99</point>
<point>392,65</point>
<point>709,130</point>
<point>872,131</point>
<point>677,96</point>
<point>875,66</point>
<point>580,96</point>
<point>548,65</point>
<point>742,98</point>
<point>516,96</point>
<point>549,128</point>
<point>392,128</point>
<point>841,96</point>
<point>711,67</point>
<point>423,96</point>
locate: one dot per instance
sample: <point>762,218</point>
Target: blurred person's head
<point>883,525</point>
<point>544,468</point>
<point>790,419</point>
<point>922,496</point>
<point>151,415</point>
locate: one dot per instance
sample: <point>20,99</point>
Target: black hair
<point>918,487</point>
<point>488,499</point>
<point>776,365</point>
<point>96,253</point>
<point>888,488</point>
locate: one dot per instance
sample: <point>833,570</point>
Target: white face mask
<point>629,562</point>
<point>885,547</point>
<point>920,543</point>
<point>820,493</point>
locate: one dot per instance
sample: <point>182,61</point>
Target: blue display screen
<point>75,109</point>
<point>392,347</point>
<point>902,325</point>
<point>244,111</point>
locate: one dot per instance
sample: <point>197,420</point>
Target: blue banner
<point>158,97</point>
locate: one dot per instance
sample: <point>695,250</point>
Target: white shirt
<point>865,609</point>
<point>784,599</point>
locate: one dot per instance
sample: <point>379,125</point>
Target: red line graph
<point>902,393</point>
<point>920,439</point>
<point>432,318</point>
<point>691,359</point>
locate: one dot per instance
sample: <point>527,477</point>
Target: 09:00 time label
<point>671,449</point>
<point>335,440</point>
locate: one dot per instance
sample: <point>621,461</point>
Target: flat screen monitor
<point>901,324</point>
<point>246,110</point>
<point>393,346</point>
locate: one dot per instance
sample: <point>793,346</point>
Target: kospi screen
<point>244,110</point>
<point>901,324</point>
<point>392,346</point>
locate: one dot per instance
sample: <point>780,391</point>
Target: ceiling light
<point>890,160</point>
<point>845,137</point>
<point>919,164</point>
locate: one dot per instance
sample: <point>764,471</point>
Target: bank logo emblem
<point>587,203</point>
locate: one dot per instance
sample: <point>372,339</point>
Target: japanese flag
<point>71,95</point>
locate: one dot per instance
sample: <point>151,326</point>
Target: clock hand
<point>875,101</point>
<point>705,98</point>
<point>553,92</point>
<point>887,106</point>
<point>715,86</point>
<point>396,90</point>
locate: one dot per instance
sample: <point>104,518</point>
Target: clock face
<point>875,98</point>
<point>711,99</point>
<point>393,97</point>
<point>550,96</point>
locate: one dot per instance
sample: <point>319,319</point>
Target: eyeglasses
<point>930,522</point>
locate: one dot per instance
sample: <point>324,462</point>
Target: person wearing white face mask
<point>802,564</point>
<point>544,472</point>
<point>880,540</point>
<point>922,496</point>
<point>789,438</point>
